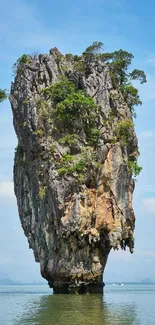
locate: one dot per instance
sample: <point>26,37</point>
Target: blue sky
<point>35,26</point>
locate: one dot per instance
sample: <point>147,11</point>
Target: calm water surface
<point>35,305</point>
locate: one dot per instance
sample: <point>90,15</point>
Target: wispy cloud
<point>121,255</point>
<point>24,30</point>
<point>5,258</point>
<point>149,188</point>
<point>147,135</point>
<point>6,191</point>
<point>147,253</point>
<point>128,257</point>
<point>151,59</point>
<point>149,205</point>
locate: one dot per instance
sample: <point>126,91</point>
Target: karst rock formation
<point>71,220</point>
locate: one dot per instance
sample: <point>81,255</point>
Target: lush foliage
<point>24,59</point>
<point>124,129</point>
<point>73,108</point>
<point>93,50</point>
<point>39,132</point>
<point>69,57</point>
<point>79,66</point>
<point>78,165</point>
<point>68,139</point>
<point>138,75</point>
<point>59,91</point>
<point>131,96</point>
<point>119,62</point>
<point>3,95</point>
<point>134,168</point>
<point>77,105</point>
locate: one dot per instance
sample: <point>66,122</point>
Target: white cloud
<point>121,255</point>
<point>151,59</point>
<point>149,205</point>
<point>146,253</point>
<point>150,134</point>
<point>149,188</point>
<point>128,257</point>
<point>5,258</point>
<point>20,21</point>
<point>7,190</point>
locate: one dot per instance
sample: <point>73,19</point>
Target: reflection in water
<point>79,310</point>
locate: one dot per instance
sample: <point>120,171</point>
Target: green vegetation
<point>137,74</point>
<point>68,139</point>
<point>44,113</point>
<point>64,170</point>
<point>23,59</point>
<point>19,149</point>
<point>52,148</point>
<point>79,66</point>
<point>81,178</point>
<point>93,51</point>
<point>25,124</point>
<point>42,106</point>
<point>59,91</point>
<point>18,66</point>
<point>19,155</point>
<point>77,105</point>
<point>78,109</point>
<point>42,192</point>
<point>119,62</point>
<point>66,158</point>
<point>69,57</point>
<point>73,111</point>
<point>73,108</point>
<point>70,164</point>
<point>123,131</point>
<point>25,102</point>
<point>134,168</point>
<point>58,59</point>
<point>39,132</point>
<point>131,96</point>
<point>93,134</point>
<point>3,95</point>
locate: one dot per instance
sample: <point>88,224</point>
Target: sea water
<point>36,305</point>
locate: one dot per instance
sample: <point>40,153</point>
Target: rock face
<point>71,226</point>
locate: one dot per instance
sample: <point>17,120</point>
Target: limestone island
<point>76,161</point>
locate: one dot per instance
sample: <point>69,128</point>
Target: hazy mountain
<point>6,281</point>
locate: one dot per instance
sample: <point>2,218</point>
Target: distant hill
<point>147,280</point>
<point>6,282</point>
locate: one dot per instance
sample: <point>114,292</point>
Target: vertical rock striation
<point>71,225</point>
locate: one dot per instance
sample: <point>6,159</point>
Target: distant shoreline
<point>106,283</point>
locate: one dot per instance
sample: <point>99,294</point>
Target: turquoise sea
<point>35,305</point>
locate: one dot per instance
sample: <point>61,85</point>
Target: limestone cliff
<point>72,220</point>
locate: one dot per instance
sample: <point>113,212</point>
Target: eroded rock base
<point>83,288</point>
